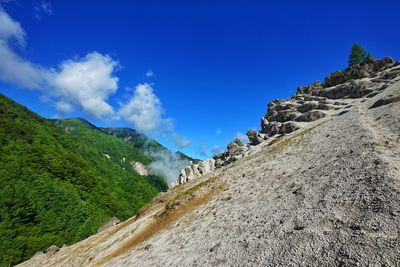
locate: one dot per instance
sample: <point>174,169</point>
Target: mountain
<point>115,149</point>
<point>184,156</point>
<point>318,185</point>
<point>139,140</point>
<point>136,139</point>
<point>61,180</point>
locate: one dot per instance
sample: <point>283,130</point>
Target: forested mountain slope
<point>57,186</point>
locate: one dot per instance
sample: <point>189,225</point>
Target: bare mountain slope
<point>326,194</point>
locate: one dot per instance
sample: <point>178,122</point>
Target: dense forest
<point>61,180</point>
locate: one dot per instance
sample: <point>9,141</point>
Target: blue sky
<point>191,74</point>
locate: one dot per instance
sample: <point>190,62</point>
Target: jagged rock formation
<point>327,194</point>
<point>311,102</point>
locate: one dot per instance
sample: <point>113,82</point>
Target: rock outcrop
<point>194,170</point>
<point>310,103</point>
<point>358,71</point>
<point>140,168</point>
<point>255,137</point>
<point>52,250</point>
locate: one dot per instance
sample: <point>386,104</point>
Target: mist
<point>166,164</point>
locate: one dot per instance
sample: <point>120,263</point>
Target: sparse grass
<point>191,191</point>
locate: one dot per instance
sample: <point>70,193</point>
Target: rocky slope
<point>319,185</point>
<point>310,103</point>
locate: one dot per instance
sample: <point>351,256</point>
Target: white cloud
<point>86,83</point>
<point>149,73</point>
<point>218,132</point>
<point>64,107</point>
<point>81,83</point>
<point>144,110</point>
<point>180,142</point>
<point>167,164</point>
<point>13,68</point>
<point>10,29</point>
<point>41,9</point>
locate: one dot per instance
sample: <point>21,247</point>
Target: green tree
<point>358,55</point>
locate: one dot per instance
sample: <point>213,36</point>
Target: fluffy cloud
<point>10,29</point>
<point>86,82</point>
<point>29,75</point>
<point>166,164</point>
<point>145,112</point>
<point>64,107</point>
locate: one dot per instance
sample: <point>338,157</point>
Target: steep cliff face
<point>319,185</point>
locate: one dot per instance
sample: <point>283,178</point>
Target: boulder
<point>308,89</point>
<point>353,89</point>
<point>218,162</point>
<point>308,106</point>
<point>52,250</point>
<point>206,166</point>
<point>385,101</point>
<point>264,125</point>
<point>282,116</point>
<point>255,138</point>
<point>391,74</point>
<point>311,116</point>
<point>270,128</point>
<point>193,171</point>
<point>288,127</point>
<point>236,147</point>
<point>322,106</point>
